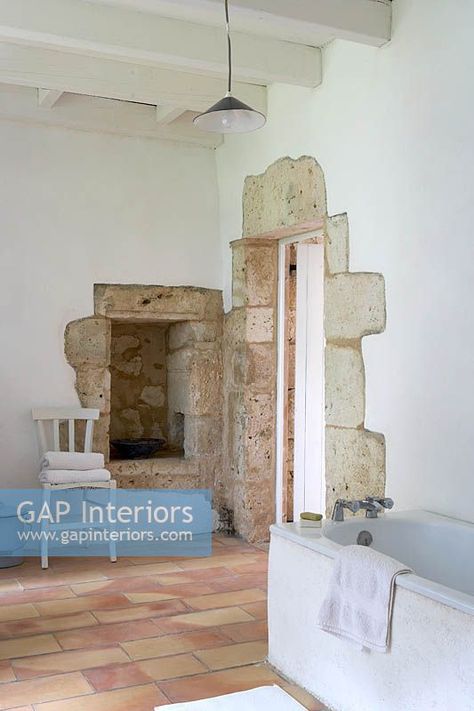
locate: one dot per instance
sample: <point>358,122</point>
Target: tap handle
<point>387,503</point>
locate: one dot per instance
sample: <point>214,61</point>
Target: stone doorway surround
<point>194,369</point>
<point>290,199</point>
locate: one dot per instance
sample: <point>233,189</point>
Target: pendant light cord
<point>229,46</point>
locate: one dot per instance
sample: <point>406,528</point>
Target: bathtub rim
<point>314,539</point>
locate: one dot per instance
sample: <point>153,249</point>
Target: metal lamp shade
<point>230,115</point>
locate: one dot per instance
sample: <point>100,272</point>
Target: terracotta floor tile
<point>247,631</point>
<point>258,610</point>
<point>225,599</point>
<point>9,585</point>
<point>174,579</point>
<point>225,540</point>
<point>234,655</point>
<point>120,585</point>
<point>134,698</point>
<point>207,618</point>
<point>223,561</point>
<point>37,690</point>
<point>187,589</point>
<point>27,646</point>
<point>79,604</point>
<point>106,634</point>
<point>36,595</point>
<point>137,612</point>
<point>240,582</point>
<point>205,574</point>
<point>249,568</point>
<point>6,672</point>
<point>133,571</point>
<point>174,644</point>
<point>302,696</point>
<point>49,578</point>
<point>91,562</point>
<point>43,665</point>
<point>40,625</point>
<point>116,676</point>
<point>145,597</point>
<point>217,683</point>
<point>172,667</point>
<point>17,612</point>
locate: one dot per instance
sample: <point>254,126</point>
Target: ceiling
<point>166,58</point>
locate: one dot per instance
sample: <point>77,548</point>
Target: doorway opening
<point>300,481</point>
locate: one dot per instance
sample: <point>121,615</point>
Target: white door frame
<point>316,414</point>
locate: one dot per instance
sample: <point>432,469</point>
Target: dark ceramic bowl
<point>137,448</point>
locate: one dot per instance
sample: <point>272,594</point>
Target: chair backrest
<point>56,415</point>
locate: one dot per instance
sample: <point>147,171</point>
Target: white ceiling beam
<point>47,98</point>
<point>167,114</point>
<point>88,113</point>
<point>310,21</point>
<point>29,66</point>
<point>124,35</point>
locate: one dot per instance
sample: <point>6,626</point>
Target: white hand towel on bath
<point>77,461</point>
<point>69,476</point>
<point>358,605</point>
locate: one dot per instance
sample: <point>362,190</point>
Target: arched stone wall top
<point>290,192</point>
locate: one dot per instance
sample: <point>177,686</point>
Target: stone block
<point>93,387</point>
<point>187,333</point>
<point>202,436</point>
<point>205,384</point>
<point>354,305</point>
<point>234,329</point>
<point>355,464</point>
<point>337,244</point>
<point>178,391</point>
<point>260,324</point>
<point>260,371</point>
<point>254,273</point>
<point>153,395</point>
<point>180,361</point>
<point>87,342</point>
<point>290,192</point>
<point>344,386</point>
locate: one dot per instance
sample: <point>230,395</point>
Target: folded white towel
<point>76,461</point>
<point>68,476</point>
<point>359,602</point>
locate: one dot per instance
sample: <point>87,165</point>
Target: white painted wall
<point>78,208</point>
<point>392,129</point>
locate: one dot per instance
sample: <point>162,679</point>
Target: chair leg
<point>44,527</point>
<point>113,500</point>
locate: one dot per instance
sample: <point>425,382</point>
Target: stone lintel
<point>157,303</point>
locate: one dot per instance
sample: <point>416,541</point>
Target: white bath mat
<point>264,698</point>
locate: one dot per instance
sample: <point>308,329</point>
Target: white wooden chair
<point>48,421</point>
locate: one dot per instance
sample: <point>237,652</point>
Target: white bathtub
<point>430,665</point>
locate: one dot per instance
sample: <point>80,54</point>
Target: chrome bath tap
<point>372,506</point>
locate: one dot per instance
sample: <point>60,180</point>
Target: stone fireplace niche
<point>150,359</point>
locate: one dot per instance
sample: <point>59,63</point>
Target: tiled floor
<point>135,634</point>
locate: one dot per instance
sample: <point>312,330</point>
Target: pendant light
<point>229,115</point>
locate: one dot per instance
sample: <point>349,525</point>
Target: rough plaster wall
<point>138,381</point>
<point>392,129</point>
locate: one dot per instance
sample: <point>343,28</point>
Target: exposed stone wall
<point>287,199</point>
<point>193,318</point>
<point>139,405</point>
